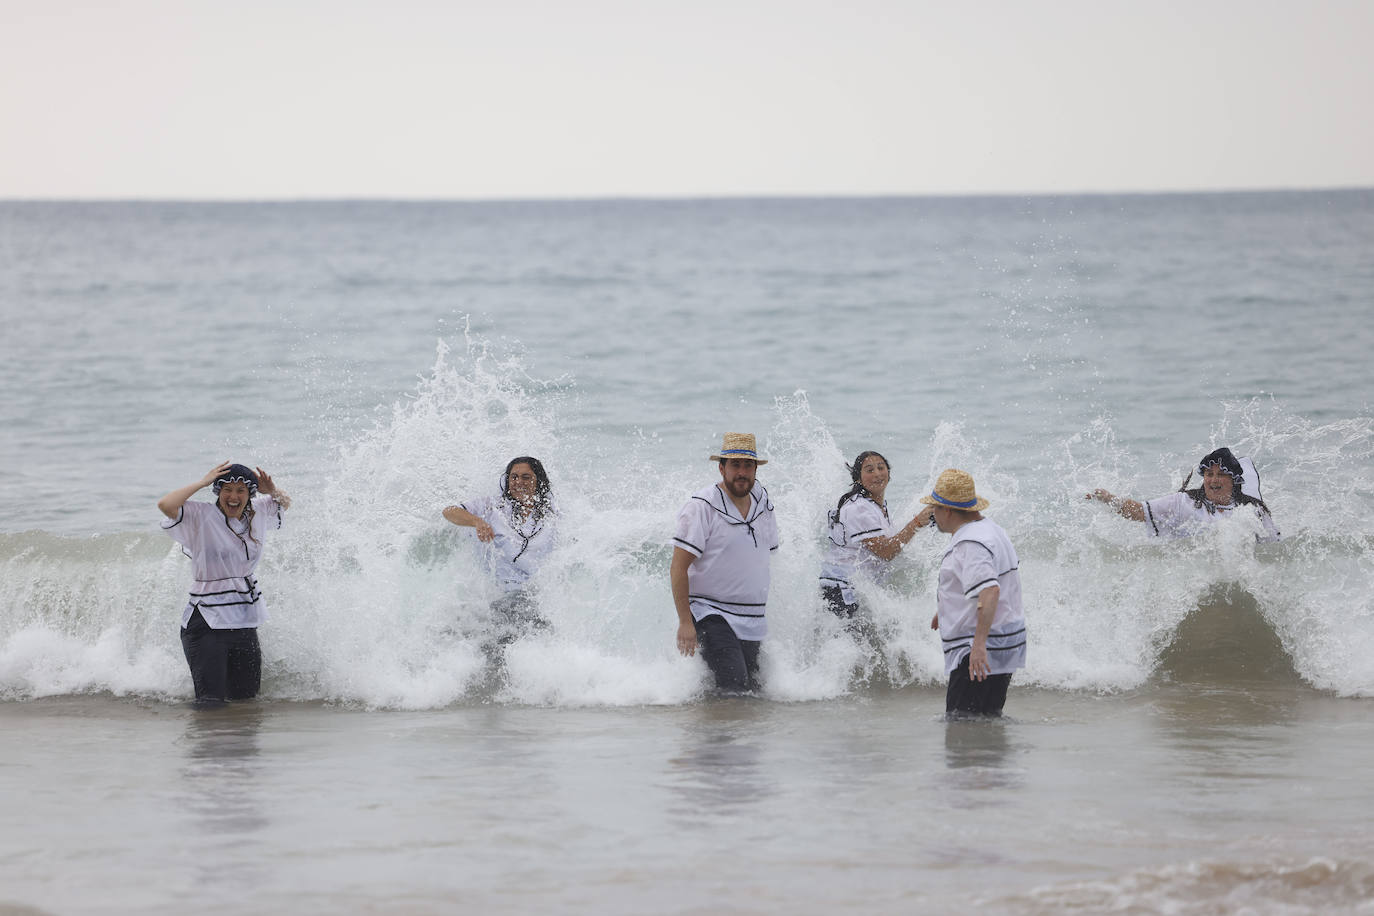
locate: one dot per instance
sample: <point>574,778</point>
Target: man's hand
<point>687,639</point>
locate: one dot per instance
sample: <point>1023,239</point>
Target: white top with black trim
<point>980,554</point>
<point>1178,516</point>
<point>729,576</point>
<point>519,546</point>
<point>859,519</point>
<point>224,554</point>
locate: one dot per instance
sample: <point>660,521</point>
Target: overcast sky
<point>535,98</point>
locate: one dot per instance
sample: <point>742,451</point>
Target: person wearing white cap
<point>725,537</point>
<point>1228,483</point>
<point>978,600</point>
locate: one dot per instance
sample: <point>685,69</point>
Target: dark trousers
<point>513,615</point>
<point>225,664</point>
<point>834,602</point>
<point>734,661</point>
<point>966,697</point>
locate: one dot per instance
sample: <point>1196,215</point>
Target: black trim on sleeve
<point>980,544</point>
<point>688,546</point>
<point>969,591</point>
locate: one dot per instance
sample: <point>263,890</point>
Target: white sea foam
<point>375,600</point>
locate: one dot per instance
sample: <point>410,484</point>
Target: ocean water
<point>1191,733</point>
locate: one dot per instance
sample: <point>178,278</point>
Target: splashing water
<point>375,600</point>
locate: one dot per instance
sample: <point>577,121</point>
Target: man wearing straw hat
<point>978,600</point>
<point>725,536</point>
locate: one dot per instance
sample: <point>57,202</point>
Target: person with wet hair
<point>224,539</point>
<point>861,534</point>
<point>517,527</point>
<point>723,543</point>
<point>1228,483</point>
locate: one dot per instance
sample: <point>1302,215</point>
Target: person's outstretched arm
<point>886,548</point>
<point>1127,508</point>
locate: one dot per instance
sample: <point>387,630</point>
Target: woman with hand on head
<point>517,526</point>
<point>1228,483</point>
<point>224,539</point>
<point>861,534</point>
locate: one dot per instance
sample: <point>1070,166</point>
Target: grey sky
<point>520,98</point>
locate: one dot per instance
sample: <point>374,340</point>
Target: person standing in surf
<point>1228,483</point>
<point>978,600</point>
<point>861,534</point>
<point>224,539</point>
<point>725,537</point>
<point>517,527</point>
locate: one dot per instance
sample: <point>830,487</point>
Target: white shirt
<point>730,574</point>
<point>224,554</point>
<point>1178,516</point>
<point>519,546</point>
<point>858,520</point>
<point>980,554</point>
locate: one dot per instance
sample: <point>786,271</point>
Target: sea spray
<point>375,600</point>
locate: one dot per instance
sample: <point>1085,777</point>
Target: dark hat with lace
<point>237,473</point>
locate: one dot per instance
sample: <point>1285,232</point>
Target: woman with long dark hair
<point>861,534</point>
<point>224,539</point>
<point>517,526</point>
<point>1228,483</point>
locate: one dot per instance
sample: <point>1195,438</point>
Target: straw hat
<point>954,490</point>
<point>738,445</point>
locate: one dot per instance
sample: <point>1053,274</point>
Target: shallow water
<point>1180,798</point>
<point>1190,734</point>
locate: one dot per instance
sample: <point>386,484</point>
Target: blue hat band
<point>740,451</point>
<point>951,503</point>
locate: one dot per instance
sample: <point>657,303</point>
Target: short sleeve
<point>974,566</point>
<point>186,527</point>
<point>268,510</point>
<point>480,507</point>
<point>862,519</point>
<point>1167,515</point>
<point>690,532</point>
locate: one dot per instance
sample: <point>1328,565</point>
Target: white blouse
<point>224,555</point>
<point>519,545</point>
<point>858,520</point>
<point>1178,516</point>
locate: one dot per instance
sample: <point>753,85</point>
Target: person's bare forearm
<point>1127,508</point>
<point>171,504</point>
<point>887,548</point>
